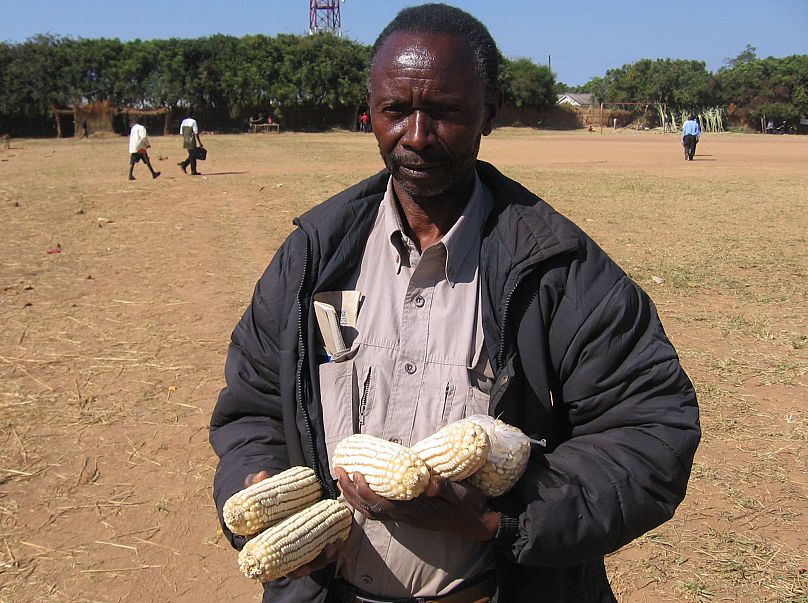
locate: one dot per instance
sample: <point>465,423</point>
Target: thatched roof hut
<point>99,116</point>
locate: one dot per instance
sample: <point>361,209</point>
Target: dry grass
<point>111,351</point>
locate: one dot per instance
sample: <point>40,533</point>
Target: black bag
<point>201,153</point>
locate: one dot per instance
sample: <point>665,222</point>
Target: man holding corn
<point>458,292</point>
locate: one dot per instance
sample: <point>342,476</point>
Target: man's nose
<point>419,129</point>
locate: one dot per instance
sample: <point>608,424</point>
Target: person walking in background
<point>364,122</point>
<point>138,145</point>
<point>690,136</point>
<point>190,141</point>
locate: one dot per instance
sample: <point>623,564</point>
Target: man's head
<point>433,94</point>
<point>691,117</point>
<point>134,119</point>
<point>445,19</point>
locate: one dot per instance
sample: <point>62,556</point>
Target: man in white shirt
<point>190,141</point>
<point>138,145</point>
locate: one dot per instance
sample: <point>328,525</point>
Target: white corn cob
<point>295,541</point>
<point>260,505</point>
<point>510,452</point>
<point>391,470</point>
<point>455,451</point>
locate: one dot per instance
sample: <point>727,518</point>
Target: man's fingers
<point>360,496</point>
<point>437,486</point>
<point>254,478</point>
<point>300,572</point>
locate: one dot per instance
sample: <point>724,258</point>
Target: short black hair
<point>445,19</point>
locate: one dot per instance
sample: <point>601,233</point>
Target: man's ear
<point>492,106</point>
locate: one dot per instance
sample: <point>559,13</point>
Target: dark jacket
<point>582,365</point>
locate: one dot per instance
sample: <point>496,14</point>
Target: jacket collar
<point>527,228</point>
<point>523,228</point>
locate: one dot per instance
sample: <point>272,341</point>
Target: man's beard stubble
<point>454,169</point>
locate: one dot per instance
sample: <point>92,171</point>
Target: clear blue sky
<point>583,38</point>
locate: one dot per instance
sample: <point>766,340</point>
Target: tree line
<point>222,76</point>
<point>297,78</point>
<point>749,89</point>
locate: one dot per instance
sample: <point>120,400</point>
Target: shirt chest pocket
<point>346,394</point>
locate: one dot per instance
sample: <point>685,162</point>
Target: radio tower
<point>324,17</point>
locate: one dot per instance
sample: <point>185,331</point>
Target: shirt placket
<point>407,387</point>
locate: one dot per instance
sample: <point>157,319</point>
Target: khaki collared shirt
<point>416,362</point>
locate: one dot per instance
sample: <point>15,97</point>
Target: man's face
<point>429,109</point>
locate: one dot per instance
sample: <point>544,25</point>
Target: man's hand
<point>445,506</point>
<point>254,478</point>
<point>326,557</point>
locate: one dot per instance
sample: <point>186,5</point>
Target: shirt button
<point>395,440</point>
<point>419,301</point>
<point>410,367</point>
<point>367,579</point>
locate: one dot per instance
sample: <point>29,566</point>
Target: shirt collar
<point>457,242</point>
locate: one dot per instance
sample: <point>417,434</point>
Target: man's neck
<point>428,219</point>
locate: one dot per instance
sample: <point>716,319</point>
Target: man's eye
<point>395,110</point>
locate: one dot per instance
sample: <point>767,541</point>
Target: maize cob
<point>295,541</point>
<point>510,452</point>
<point>455,451</point>
<point>260,505</point>
<point>391,470</point>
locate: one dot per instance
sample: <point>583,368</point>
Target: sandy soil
<point>118,299</point>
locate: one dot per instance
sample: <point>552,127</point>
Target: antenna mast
<point>324,16</point>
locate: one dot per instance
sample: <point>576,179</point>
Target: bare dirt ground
<point>112,348</point>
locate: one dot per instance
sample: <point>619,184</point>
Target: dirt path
<point>112,348</point>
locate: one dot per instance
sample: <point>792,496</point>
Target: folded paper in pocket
<point>330,332</point>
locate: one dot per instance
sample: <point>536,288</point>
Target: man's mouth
<point>417,169</point>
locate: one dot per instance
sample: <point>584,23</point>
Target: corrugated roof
<point>580,98</point>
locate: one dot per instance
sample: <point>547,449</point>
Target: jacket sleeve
<point>632,424</point>
<point>246,429</point>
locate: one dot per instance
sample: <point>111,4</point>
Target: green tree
<point>747,55</point>
<point>526,84</point>
<point>89,69</point>
<point>678,83</point>
<point>776,88</point>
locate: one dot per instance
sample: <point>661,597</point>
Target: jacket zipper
<point>300,394</point>
<point>506,304</point>
<point>301,361</point>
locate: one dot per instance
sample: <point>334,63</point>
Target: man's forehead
<point>414,49</point>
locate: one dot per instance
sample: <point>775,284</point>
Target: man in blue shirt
<point>690,136</point>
